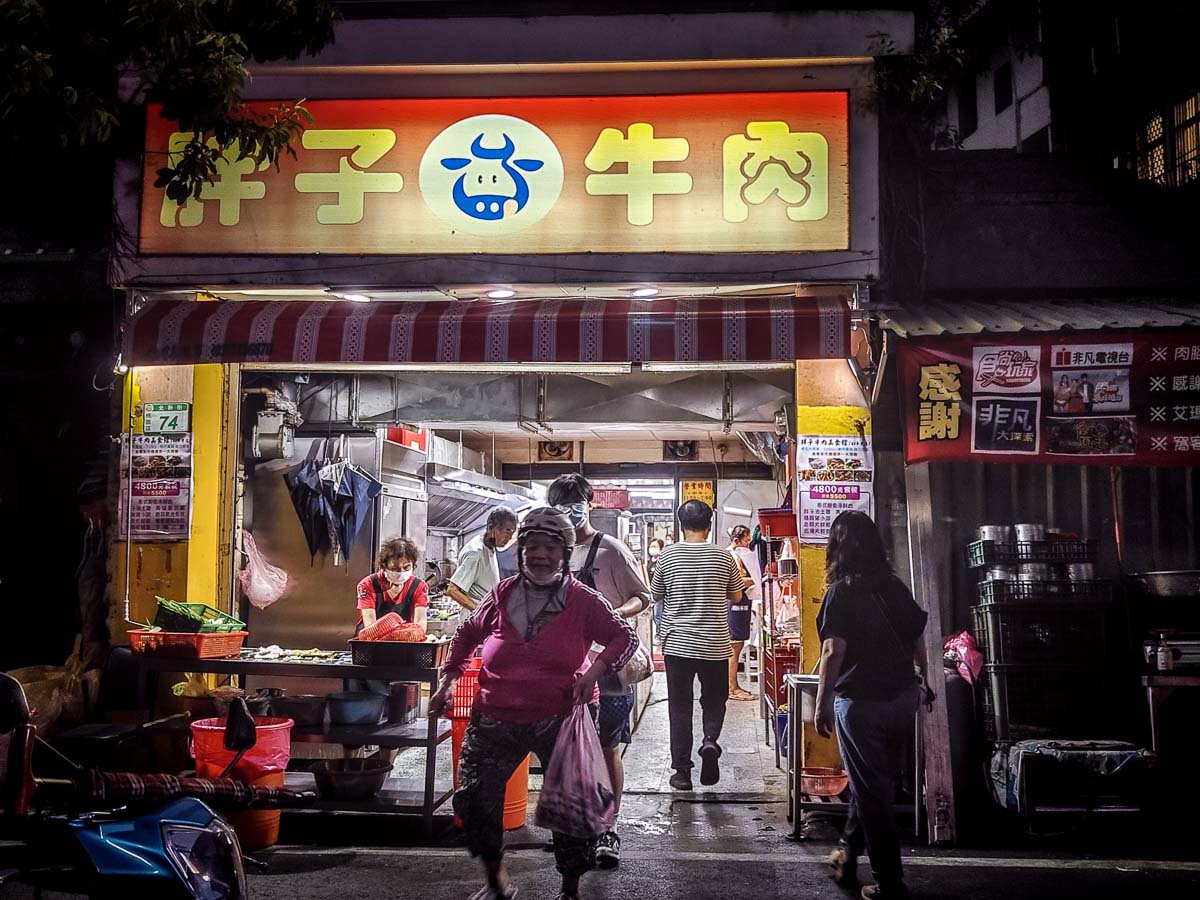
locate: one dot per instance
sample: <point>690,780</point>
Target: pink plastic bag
<point>262,582</point>
<point>961,650</point>
<point>577,796</point>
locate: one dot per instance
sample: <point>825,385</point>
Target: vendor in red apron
<point>392,588</point>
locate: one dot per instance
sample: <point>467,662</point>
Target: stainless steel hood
<point>459,499</point>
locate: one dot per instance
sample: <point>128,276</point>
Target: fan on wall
<point>556,451</point>
<point>681,451</point>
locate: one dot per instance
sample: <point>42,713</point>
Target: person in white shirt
<point>740,612</point>
<point>606,565</point>
<point>478,572</point>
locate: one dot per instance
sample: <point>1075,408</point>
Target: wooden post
<point>930,554</point>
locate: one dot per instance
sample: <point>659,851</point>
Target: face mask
<point>577,513</point>
<point>397,578</point>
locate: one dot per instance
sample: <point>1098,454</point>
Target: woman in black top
<point>870,629</point>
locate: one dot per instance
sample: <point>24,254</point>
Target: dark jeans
<point>872,735</point>
<point>714,693</point>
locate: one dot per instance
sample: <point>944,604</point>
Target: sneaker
<point>608,850</point>
<point>487,892</point>
<point>879,892</point>
<point>845,866</point>
<point>710,769</point>
<point>681,781</point>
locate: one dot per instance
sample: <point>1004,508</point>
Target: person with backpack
<point>870,629</point>
<point>606,565</point>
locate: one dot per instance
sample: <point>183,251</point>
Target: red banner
<point>1085,398</point>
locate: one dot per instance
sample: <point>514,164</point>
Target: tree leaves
<point>75,74</point>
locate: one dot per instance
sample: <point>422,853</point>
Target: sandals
<point>845,866</point>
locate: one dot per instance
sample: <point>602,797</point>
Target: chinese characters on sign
<point>703,491</point>
<point>834,473</point>
<point>755,172</point>
<point>941,401</point>
<point>156,487</point>
<point>166,418</point>
<point>1103,398</point>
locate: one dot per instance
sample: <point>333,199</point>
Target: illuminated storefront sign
<point>703,173</point>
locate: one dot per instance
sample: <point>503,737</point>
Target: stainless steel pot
<point>1181,583</point>
<point>1001,534</point>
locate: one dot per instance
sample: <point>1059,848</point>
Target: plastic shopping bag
<point>638,669</point>
<point>262,582</point>
<point>960,650</point>
<point>577,796</point>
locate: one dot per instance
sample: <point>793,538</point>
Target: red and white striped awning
<point>745,329</point>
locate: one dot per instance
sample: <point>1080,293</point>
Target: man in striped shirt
<point>696,581</point>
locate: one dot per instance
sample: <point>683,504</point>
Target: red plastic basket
<point>186,646</point>
<point>779,522</point>
<point>465,690</point>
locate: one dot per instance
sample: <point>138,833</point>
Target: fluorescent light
<point>501,294</point>
<point>483,368</point>
<point>735,511</point>
<point>356,298</point>
<point>644,292</point>
<point>717,366</point>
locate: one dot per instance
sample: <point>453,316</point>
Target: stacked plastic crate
<point>1049,644</point>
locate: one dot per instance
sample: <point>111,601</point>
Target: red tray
<point>186,646</point>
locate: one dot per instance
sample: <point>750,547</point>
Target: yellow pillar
<point>197,569</point>
<point>828,402</point>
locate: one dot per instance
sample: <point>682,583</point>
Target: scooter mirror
<point>240,734</point>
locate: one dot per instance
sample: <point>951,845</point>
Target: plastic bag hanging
<point>577,797</point>
<point>262,582</point>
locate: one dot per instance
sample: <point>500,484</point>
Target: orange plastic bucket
<point>516,792</point>
<point>264,764</point>
<point>255,828</point>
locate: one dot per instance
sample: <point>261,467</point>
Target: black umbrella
<point>312,506</point>
<point>349,500</point>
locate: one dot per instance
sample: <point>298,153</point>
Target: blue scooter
<point>168,846</point>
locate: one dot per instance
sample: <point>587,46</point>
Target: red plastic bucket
<point>264,764</point>
<point>516,792</point>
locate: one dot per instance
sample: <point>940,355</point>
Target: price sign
<point>166,418</point>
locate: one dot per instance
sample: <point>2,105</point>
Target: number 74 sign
<point>166,418</point>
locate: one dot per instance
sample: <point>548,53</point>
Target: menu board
<point>156,487</point>
<point>1101,398</point>
<point>834,473</point>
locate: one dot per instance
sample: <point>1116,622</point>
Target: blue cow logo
<point>492,185</point>
<point>491,190</point>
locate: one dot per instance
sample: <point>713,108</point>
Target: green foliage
<point>74,74</point>
<point>913,85</point>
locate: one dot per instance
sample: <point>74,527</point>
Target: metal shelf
<point>399,796</point>
<point>414,734</point>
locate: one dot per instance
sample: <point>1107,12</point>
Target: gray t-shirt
<point>617,577</point>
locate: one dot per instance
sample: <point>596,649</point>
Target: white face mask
<point>397,578</point>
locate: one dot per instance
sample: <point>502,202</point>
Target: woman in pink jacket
<point>536,629</point>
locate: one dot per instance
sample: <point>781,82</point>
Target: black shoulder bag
<point>928,696</point>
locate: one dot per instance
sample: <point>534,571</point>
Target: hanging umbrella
<point>349,504</point>
<point>311,504</point>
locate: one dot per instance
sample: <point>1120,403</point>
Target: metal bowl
<point>350,779</point>
<point>1181,583</point>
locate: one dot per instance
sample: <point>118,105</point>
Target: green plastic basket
<point>203,619</point>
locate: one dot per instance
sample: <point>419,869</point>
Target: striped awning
<point>744,329</point>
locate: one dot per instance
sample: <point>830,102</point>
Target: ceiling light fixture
<point>644,292</point>
<point>501,294</point>
<point>356,298</point>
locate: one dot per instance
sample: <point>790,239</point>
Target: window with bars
<point>1168,144</point>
